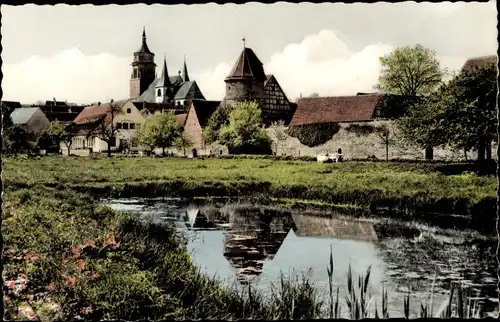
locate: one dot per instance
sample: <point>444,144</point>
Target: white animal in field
<point>326,158</point>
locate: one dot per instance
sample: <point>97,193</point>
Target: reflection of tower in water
<point>254,236</point>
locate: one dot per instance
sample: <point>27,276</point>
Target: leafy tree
<point>183,143</point>
<point>147,136</point>
<point>106,129</point>
<point>461,114</point>
<point>16,140</point>
<point>168,130</point>
<point>62,133</point>
<point>278,132</point>
<point>218,119</point>
<point>245,131</point>
<point>160,130</point>
<point>410,71</point>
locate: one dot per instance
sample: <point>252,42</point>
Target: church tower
<point>143,69</point>
<point>185,75</point>
<point>163,89</point>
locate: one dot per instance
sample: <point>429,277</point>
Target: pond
<point>243,243</point>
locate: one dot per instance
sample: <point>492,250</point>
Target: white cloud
<point>321,63</point>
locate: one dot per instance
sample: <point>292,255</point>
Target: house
<point>145,87</point>
<point>276,104</point>
<point>197,118</point>
<point>30,119</point>
<point>60,111</point>
<point>92,121</point>
<point>7,107</point>
<point>247,81</point>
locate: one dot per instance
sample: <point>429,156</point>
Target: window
<point>129,110</point>
<point>118,126</point>
<point>132,126</point>
<point>159,92</point>
<point>125,126</point>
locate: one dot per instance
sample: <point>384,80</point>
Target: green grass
<point>66,255</point>
<point>410,188</point>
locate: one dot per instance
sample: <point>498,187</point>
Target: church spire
<point>185,75</point>
<point>144,47</point>
<point>164,78</point>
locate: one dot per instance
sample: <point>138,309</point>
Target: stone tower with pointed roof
<point>246,80</point>
<point>143,69</point>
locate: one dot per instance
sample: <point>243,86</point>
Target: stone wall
<point>363,146</point>
<point>244,90</point>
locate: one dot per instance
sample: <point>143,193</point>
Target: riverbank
<point>410,190</point>
<point>66,255</point>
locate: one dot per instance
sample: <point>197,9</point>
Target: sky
<point>82,54</point>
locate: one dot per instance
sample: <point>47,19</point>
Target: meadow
<point>414,190</point>
<point>66,255</point>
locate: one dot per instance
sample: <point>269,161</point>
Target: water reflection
<point>255,244</point>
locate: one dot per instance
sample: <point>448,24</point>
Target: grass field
<point>404,187</point>
<point>66,255</point>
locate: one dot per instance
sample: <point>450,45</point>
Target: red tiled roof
<point>181,119</point>
<point>478,62</point>
<point>317,110</point>
<point>92,114</point>
<point>248,66</point>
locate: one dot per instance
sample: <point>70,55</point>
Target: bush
<point>314,135</point>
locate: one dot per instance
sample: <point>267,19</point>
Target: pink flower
<point>81,264</point>
<point>77,251</point>
<point>22,287</point>
<point>86,310</point>
<point>52,286</point>
<point>95,276</point>
<point>70,280</point>
<point>11,284</point>
<point>32,256</point>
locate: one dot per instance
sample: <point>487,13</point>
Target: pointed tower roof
<point>144,48</point>
<point>164,79</point>
<point>247,66</point>
<point>185,75</point>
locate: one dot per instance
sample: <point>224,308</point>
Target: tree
<point>160,130</point>
<point>147,135</point>
<point>168,130</point>
<point>183,143</point>
<point>218,119</point>
<point>16,140</point>
<point>386,137</point>
<point>106,129</point>
<point>460,114</point>
<point>278,132</point>
<point>63,133</point>
<point>245,131</point>
<point>410,71</point>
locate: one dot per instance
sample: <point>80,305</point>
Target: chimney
<point>112,100</point>
<point>98,103</point>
